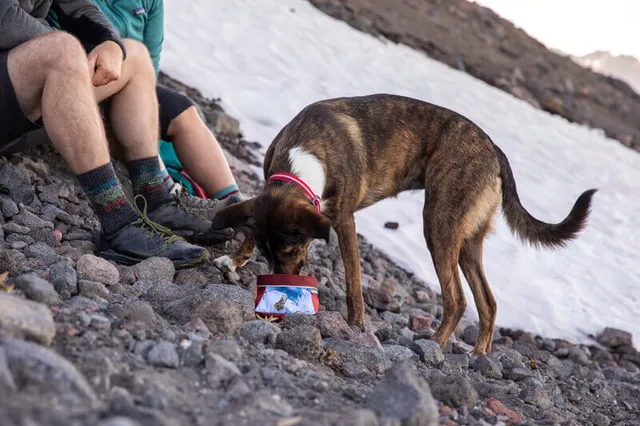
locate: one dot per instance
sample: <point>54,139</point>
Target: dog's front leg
<point>348,241</point>
<point>240,257</point>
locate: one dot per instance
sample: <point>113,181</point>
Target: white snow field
<point>269,59</point>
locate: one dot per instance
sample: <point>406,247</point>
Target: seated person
<point>47,79</point>
<point>187,145</point>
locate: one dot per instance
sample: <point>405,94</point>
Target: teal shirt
<point>141,20</point>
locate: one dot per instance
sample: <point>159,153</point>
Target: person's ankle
<point>227,192</point>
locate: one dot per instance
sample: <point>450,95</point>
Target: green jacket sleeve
<point>154,32</point>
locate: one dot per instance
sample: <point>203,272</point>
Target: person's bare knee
<point>139,60</point>
<point>31,64</point>
<point>187,119</point>
<point>138,66</point>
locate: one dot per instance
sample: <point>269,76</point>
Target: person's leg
<point>134,120</point>
<point>196,146</point>
<point>49,79</point>
<point>59,91</point>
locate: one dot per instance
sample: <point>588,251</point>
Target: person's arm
<point>154,32</point>
<point>84,19</point>
<point>17,26</point>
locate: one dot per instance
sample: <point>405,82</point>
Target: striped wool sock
<point>146,179</point>
<point>227,192</point>
<point>107,198</point>
<point>168,180</point>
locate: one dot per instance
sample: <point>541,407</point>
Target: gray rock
<point>163,354</point>
<point>93,290</point>
<point>143,347</point>
<point>77,236</point>
<point>18,245</point>
<point>260,332</point>
<point>36,288</point>
<point>535,394</point>
<point>578,355</point>
<point>22,318</point>
<point>9,208</point>
<point>135,310</point>
<point>191,353</point>
<point>404,398</point>
<point>93,268</point>
<point>298,319</point>
<point>31,221</point>
<point>218,313</point>
<point>64,279</point>
<point>510,359</point>
<point>235,295</point>
<point>16,179</point>
<point>303,342</point>
<point>429,351</point>
<point>397,353</point>
<point>7,384</point>
<point>42,252</point>
<point>470,334</point>
<point>19,238</point>
<point>488,367</point>
<point>220,371</point>
<point>143,286</point>
<point>332,324</point>
<point>352,417</point>
<point>352,353</point>
<point>455,390</point>
<point>599,419</point>
<point>227,348</point>
<point>518,374</point>
<point>51,213</point>
<point>119,421</point>
<point>34,365</point>
<point>154,269</point>
<point>613,337</point>
<point>100,322</point>
<point>223,124</point>
<point>13,228</point>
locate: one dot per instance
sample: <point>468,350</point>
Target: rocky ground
<point>474,39</point>
<point>87,342</point>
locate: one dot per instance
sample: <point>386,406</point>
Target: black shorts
<point>171,104</point>
<point>13,122</point>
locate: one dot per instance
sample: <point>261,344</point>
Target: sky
<point>576,27</point>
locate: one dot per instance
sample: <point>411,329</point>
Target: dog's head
<point>283,222</point>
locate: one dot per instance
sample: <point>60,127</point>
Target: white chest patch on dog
<point>308,168</point>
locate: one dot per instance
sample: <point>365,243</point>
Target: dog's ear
<point>313,224</point>
<point>235,216</point>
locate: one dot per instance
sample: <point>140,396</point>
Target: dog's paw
<point>225,263</point>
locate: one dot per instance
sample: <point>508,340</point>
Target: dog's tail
<point>532,230</point>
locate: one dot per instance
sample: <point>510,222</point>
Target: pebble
<point>163,354</point>
<point>93,268</point>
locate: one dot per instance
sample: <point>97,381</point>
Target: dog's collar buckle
<point>314,198</point>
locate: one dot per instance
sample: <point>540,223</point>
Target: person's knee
<point>63,52</point>
<point>187,119</point>
<point>139,58</point>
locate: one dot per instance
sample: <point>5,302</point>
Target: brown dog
<point>346,154</point>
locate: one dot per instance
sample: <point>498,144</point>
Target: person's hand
<point>105,62</point>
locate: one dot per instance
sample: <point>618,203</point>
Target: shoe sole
<point>212,237</point>
<point>123,259</point>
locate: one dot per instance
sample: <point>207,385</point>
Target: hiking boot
<point>203,207</point>
<point>144,238</point>
<point>187,218</point>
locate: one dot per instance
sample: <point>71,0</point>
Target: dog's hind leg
<point>443,241</point>
<point>348,242</point>
<point>471,265</point>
